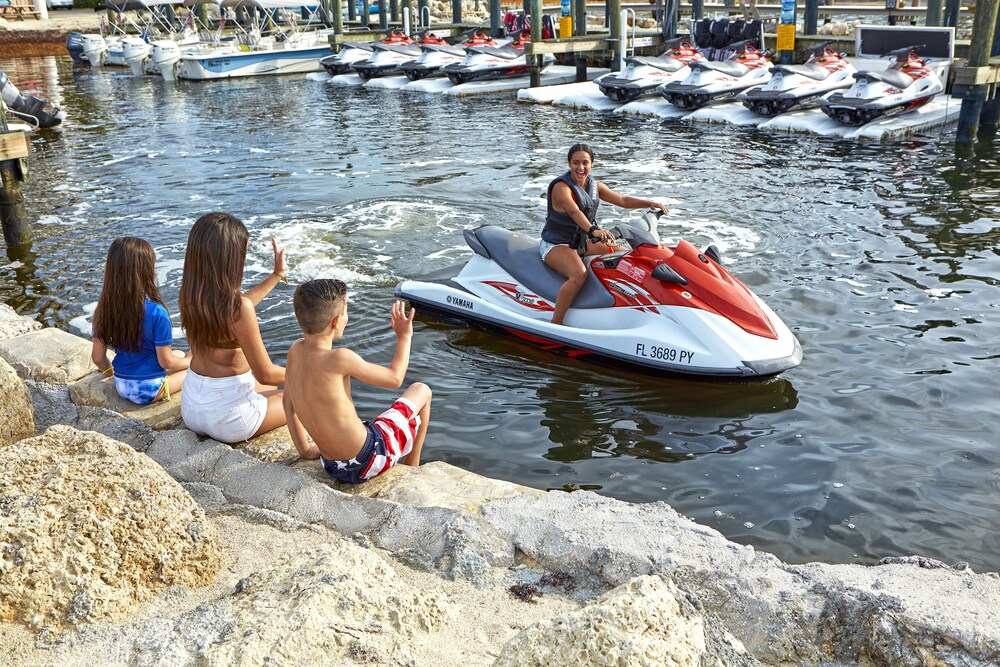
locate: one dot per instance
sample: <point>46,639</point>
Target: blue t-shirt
<point>156,332</point>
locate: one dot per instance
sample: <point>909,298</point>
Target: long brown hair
<point>213,275</point>
<point>129,279</point>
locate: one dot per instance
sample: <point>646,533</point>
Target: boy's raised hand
<point>401,323</point>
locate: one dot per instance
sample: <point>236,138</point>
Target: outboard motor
<point>33,107</point>
<point>165,54</point>
<point>136,51</point>
<point>74,44</point>
<point>95,49</point>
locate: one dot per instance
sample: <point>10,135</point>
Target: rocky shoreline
<point>127,540</point>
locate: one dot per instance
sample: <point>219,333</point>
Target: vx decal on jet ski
<point>514,291</point>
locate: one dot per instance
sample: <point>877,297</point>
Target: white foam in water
<point>940,293</point>
<point>49,220</point>
<point>318,76</point>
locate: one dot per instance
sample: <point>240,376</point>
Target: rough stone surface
<point>132,432</point>
<point>647,621</point>
<point>274,446</point>
<point>98,391</point>
<point>12,324</point>
<point>51,405</point>
<point>336,602</point>
<point>88,528</point>
<point>436,484</point>
<point>783,614</point>
<point>17,420</point>
<point>49,355</point>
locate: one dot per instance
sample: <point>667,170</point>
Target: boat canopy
<point>272,4</point>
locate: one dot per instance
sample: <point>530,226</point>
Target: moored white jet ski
<point>436,55</point>
<point>387,58</point>
<point>352,53</point>
<point>642,75</point>
<point>490,62</point>
<point>712,82</point>
<point>656,308</point>
<point>800,86</point>
<point>908,84</point>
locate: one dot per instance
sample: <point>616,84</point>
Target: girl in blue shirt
<point>130,319</point>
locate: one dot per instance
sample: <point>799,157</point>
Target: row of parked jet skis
<point>683,74</point>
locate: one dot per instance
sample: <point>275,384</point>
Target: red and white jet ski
<point>434,55</point>
<point>352,53</point>
<point>908,84</point>
<point>642,75</point>
<point>800,86</point>
<point>490,62</point>
<point>652,307</point>
<point>711,82</point>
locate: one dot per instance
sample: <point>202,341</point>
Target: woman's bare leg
<point>567,263</point>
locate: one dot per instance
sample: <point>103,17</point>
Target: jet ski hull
<point>657,339</point>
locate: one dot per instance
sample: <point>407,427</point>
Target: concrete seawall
<point>680,590</point>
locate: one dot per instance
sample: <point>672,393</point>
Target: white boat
<point>164,54</point>
<point>270,46</point>
<point>125,41</point>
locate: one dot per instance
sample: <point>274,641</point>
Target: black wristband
<point>590,233</point>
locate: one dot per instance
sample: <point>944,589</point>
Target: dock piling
<point>14,147</point>
<point>535,65</point>
<point>977,93</point>
<point>495,30</point>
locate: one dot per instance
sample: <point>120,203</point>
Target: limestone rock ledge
<point>647,621</point>
<point>89,527</point>
<point>17,417</point>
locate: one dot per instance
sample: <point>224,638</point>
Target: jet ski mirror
<point>668,275</point>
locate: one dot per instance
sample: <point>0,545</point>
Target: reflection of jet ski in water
<point>657,308</point>
<point>435,55</point>
<point>799,86</point>
<point>352,53</point>
<point>711,82</point>
<point>642,75</point>
<point>907,85</point>
<point>490,62</point>
<point>33,109</point>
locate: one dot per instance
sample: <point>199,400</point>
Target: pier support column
<point>980,47</point>
<point>383,16</point>
<point>495,29</point>
<point>13,217</point>
<point>394,11</point>
<point>366,14</point>
<point>697,9</point>
<point>456,11</point>
<point>337,11</point>
<point>536,35</point>
<point>811,17</point>
<point>580,30</point>
<point>615,27</point>
<point>933,17</point>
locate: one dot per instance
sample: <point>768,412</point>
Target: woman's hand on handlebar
<point>658,207</point>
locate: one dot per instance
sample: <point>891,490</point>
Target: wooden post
<point>352,10</point>
<point>811,17</point>
<point>421,4</point>
<point>383,17</point>
<point>495,29</point>
<point>337,9</point>
<point>697,9</point>
<point>616,27</point>
<point>580,30</point>
<point>951,9</point>
<point>394,11</point>
<point>933,16</point>
<point>980,47</point>
<point>536,36</point>
<point>456,11</point>
<point>14,219</point>
<point>366,13</point>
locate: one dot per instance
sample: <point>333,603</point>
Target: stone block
<point>274,446</point>
<point>99,391</point>
<point>13,325</point>
<point>48,355</point>
<point>51,404</point>
<point>436,484</point>
<point>17,417</point>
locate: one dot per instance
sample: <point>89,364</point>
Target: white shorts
<point>226,409</point>
<point>544,247</point>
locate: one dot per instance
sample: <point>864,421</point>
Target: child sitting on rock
<point>317,397</point>
<point>131,319</point>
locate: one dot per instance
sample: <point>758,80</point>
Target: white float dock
<point>552,76</point>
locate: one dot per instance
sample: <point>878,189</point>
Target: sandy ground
<point>486,618</point>
<point>64,20</point>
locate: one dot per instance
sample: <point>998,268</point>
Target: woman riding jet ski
<point>712,82</point>
<point>485,62</point>
<point>387,57</point>
<point>800,86</point>
<point>907,85</point>
<point>354,52</point>
<point>435,55</point>
<point>653,307</point>
<point>642,76</point>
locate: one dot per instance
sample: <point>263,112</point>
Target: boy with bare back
<point>317,396</point>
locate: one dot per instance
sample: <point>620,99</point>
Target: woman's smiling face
<point>580,165</point>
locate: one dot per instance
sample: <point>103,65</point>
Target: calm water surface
<point>883,260</point>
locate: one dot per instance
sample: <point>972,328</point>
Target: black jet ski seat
<point>811,71</point>
<point>518,255</point>
<point>892,77</point>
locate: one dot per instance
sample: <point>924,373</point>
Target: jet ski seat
<point>893,77</point>
<point>727,67</point>
<point>518,255</point>
<point>811,71</point>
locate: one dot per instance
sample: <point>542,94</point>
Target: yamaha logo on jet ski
<point>514,292</point>
<point>699,319</point>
